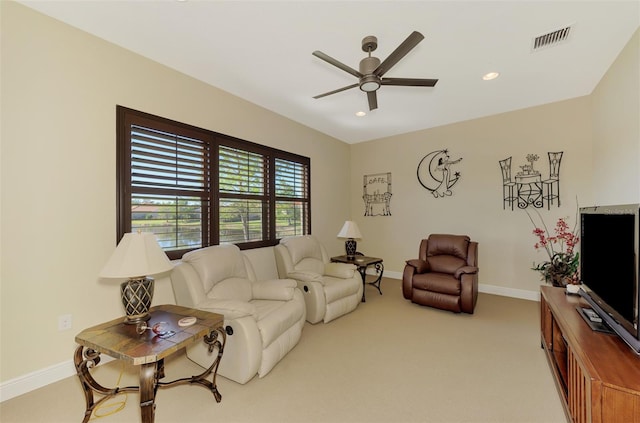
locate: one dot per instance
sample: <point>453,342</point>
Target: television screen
<point>609,239</point>
<point>607,250</point>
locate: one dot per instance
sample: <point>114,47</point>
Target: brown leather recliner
<point>445,274</point>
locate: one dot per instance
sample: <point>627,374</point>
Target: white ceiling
<point>261,51</point>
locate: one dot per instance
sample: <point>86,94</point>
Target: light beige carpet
<point>388,361</point>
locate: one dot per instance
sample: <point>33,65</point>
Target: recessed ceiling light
<point>360,114</point>
<point>491,75</point>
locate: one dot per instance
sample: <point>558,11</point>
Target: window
<point>291,187</point>
<point>243,202</point>
<point>194,188</point>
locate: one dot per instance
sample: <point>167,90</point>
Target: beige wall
<point>475,208</point>
<point>599,135</point>
<point>616,130</point>
<point>60,87</point>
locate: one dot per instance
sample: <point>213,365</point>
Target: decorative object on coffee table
<point>351,232</point>
<point>137,256</point>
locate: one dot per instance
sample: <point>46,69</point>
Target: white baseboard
<point>523,294</point>
<point>32,381</point>
<point>388,274</point>
<point>489,289</point>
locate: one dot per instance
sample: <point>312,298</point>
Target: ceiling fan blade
<point>407,45</point>
<point>409,82</point>
<point>336,91</point>
<point>337,64</point>
<point>373,100</point>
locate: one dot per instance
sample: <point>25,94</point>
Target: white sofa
<point>330,289</point>
<point>263,318</point>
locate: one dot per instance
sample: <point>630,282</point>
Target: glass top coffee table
<point>170,329</point>
<point>362,262</point>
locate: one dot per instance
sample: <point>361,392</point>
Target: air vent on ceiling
<point>551,38</point>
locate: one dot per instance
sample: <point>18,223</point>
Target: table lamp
<point>350,231</point>
<point>137,256</point>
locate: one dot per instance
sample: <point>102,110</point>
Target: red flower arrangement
<point>562,267</point>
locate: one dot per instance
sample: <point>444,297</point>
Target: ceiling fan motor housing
<point>368,65</point>
<point>369,81</point>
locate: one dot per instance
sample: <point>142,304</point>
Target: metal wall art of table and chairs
<point>527,188</point>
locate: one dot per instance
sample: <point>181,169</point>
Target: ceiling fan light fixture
<point>369,83</point>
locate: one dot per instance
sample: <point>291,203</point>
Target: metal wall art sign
<point>376,193</point>
<point>528,187</point>
<point>435,174</point>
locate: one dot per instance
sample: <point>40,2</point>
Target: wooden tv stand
<point>597,375</point>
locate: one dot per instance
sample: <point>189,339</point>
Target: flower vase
<point>557,280</point>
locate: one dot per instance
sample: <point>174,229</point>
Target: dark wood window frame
<point>277,184</point>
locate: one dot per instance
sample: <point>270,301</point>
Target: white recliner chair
<point>263,320</point>
<point>330,290</point>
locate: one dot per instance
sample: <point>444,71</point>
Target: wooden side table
<point>362,262</point>
<point>148,350</point>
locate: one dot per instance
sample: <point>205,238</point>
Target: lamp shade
<point>350,230</point>
<point>137,255</point>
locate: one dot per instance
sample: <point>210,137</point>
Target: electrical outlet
<point>64,322</point>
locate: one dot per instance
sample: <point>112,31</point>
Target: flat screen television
<point>609,268</point>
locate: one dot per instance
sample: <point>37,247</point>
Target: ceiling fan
<point>370,76</point>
